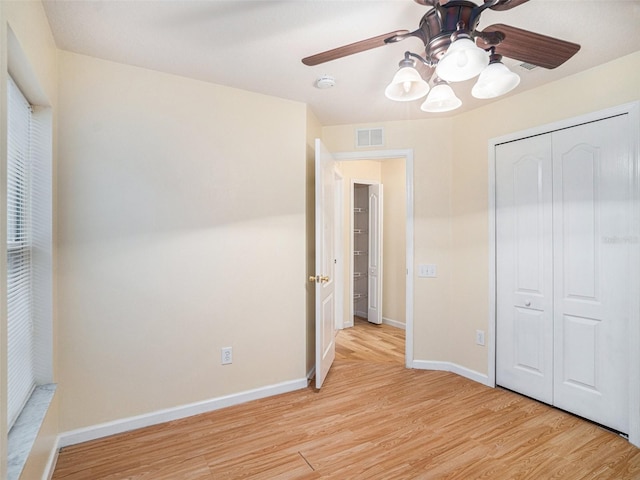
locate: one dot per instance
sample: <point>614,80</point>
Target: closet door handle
<point>527,303</point>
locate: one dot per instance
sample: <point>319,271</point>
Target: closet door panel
<point>592,218</point>
<point>524,354</point>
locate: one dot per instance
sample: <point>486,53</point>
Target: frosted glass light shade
<point>407,85</point>
<point>495,80</point>
<point>441,99</point>
<point>463,60</point>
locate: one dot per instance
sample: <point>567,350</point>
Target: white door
<point>593,189</point>
<point>564,240</point>
<point>524,340</point>
<point>325,258</point>
<point>374,312</point>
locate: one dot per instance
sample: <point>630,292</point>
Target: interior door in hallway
<point>374,270</point>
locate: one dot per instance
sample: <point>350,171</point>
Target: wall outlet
<point>227,355</point>
<point>480,337</point>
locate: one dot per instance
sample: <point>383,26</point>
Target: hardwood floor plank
<point>373,419</point>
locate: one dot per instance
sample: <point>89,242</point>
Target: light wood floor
<point>373,419</point>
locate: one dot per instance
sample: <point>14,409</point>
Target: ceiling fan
<point>456,50</point>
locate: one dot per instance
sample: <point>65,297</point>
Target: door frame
<point>339,255</point>
<point>407,155</point>
<point>633,110</point>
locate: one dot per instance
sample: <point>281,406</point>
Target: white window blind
<point>20,331</point>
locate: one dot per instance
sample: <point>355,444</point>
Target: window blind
<point>20,328</point>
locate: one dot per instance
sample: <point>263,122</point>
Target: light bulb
<point>495,80</point>
<point>462,61</point>
<point>407,85</point>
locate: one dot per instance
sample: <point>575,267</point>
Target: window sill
<point>24,432</point>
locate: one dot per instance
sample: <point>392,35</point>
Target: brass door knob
<point>324,278</point>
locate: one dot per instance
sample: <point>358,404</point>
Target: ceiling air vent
<point>528,66</point>
<point>369,137</point>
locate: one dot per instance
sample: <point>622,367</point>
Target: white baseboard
<point>394,323</point>
<point>453,368</point>
<point>161,416</point>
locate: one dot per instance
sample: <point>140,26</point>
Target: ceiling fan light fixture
<point>463,59</point>
<point>441,99</point>
<point>495,80</point>
<point>407,85</point>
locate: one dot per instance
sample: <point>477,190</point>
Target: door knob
<point>319,278</point>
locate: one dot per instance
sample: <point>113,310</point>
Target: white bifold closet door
<point>563,233</point>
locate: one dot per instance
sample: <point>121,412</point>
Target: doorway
<point>403,271</point>
<point>367,255</point>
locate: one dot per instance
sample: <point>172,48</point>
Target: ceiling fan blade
<point>526,46</point>
<point>352,48</point>
<point>506,4</point>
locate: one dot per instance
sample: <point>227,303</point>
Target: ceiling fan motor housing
<point>438,24</point>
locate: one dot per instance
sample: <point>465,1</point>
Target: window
<point>29,252</point>
<point>20,328</point>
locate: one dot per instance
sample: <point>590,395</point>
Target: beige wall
<point>34,65</point>
<point>176,238</point>
<point>393,173</point>
<point>451,191</point>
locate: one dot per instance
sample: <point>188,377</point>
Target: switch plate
<point>427,270</point>
<point>480,337</point>
<point>226,356</point>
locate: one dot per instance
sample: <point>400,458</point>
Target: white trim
<point>491,337</point>
<point>52,460</point>
<point>339,250</point>
<point>453,368</point>
<point>627,108</point>
<point>634,331</point>
<point>394,323</point>
<point>161,416</point>
<point>633,110</point>
<point>407,154</point>
<point>311,373</point>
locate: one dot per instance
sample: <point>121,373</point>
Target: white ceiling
<point>257,45</point>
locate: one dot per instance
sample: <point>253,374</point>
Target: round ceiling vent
<point>325,81</point>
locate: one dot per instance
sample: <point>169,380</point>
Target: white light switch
<point>427,271</point>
